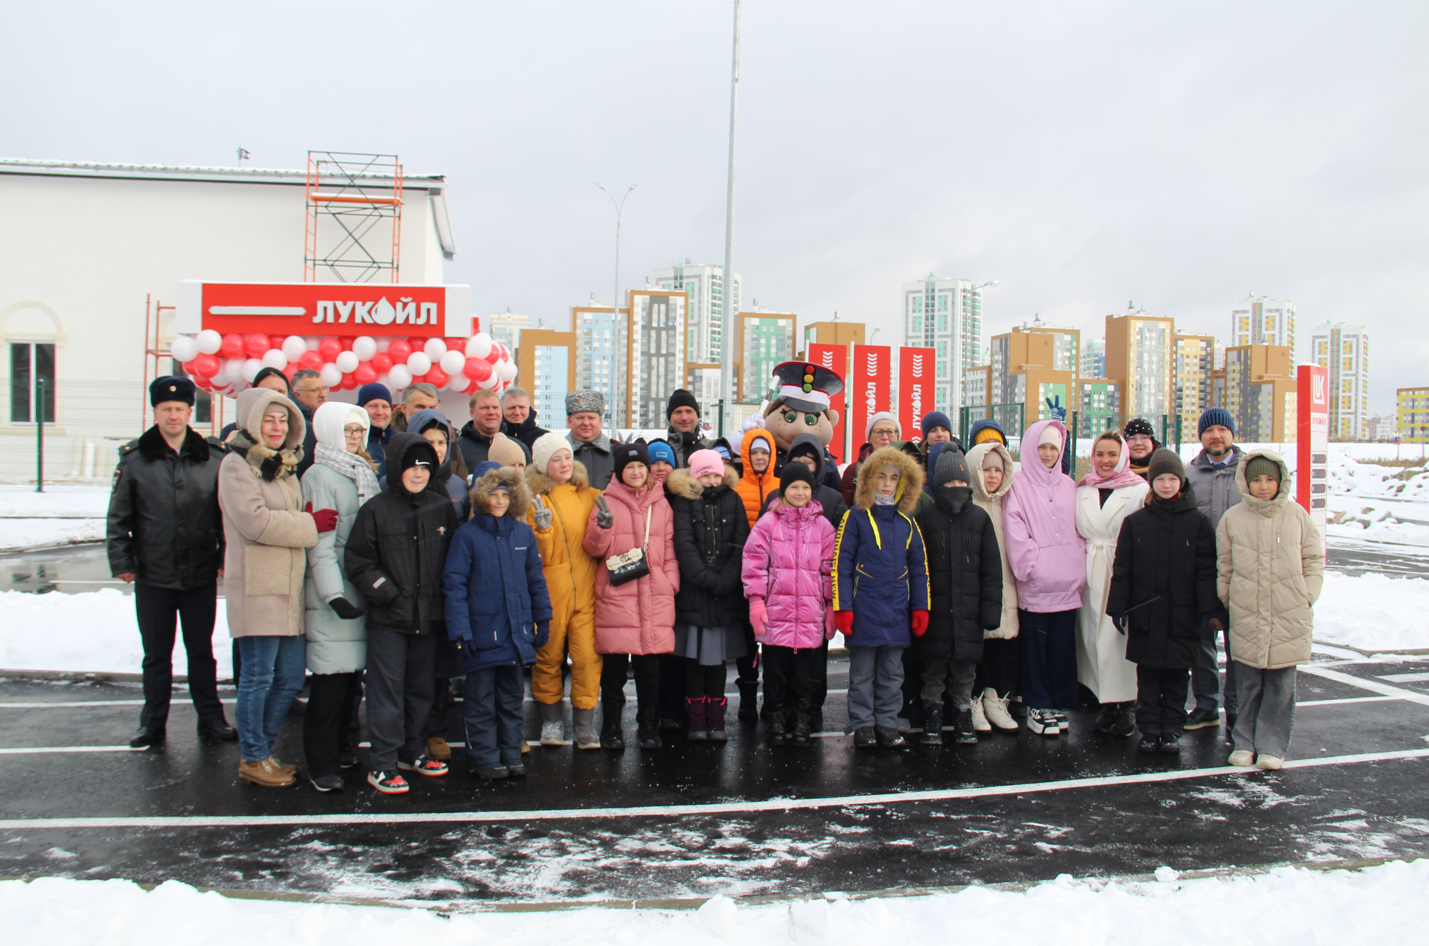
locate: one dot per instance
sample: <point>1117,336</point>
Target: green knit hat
<point>1262,466</point>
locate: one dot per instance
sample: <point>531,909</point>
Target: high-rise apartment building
<point>1343,350</point>
<point>704,288</point>
<point>635,360</point>
<point>1139,355</point>
<point>547,366</point>
<point>1413,414</point>
<point>1260,392</point>
<point>506,327</point>
<point>946,316</point>
<point>1194,364</point>
<point>1066,345</point>
<point>1258,320</point>
<point>1022,379</point>
<point>602,355</point>
<point>1093,362</point>
<point>766,339</point>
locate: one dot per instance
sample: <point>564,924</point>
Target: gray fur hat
<point>578,401</point>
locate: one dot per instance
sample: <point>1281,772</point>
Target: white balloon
<point>312,341</point>
<point>274,358</point>
<point>346,361</point>
<point>332,374</point>
<point>435,348</point>
<point>365,346</point>
<point>294,347</point>
<point>184,348</point>
<point>233,372</point>
<point>385,380</point>
<point>506,371</point>
<point>489,382</point>
<point>459,381</point>
<point>419,363</point>
<point>399,377</point>
<point>453,362</point>
<point>383,342</point>
<point>478,346</point>
<point>209,342</point>
<point>251,367</point>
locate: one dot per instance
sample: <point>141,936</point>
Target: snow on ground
<point>1373,612</point>
<point>19,535</point>
<point>61,515</point>
<point>1385,903</point>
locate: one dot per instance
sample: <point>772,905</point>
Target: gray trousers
<point>1206,678</point>
<point>951,675</point>
<point>401,682</point>
<point>875,686</point>
<point>1267,710</point>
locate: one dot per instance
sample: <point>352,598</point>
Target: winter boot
<point>584,725</point>
<point>438,749</point>
<point>1271,763</point>
<point>800,735</point>
<point>1171,743</point>
<point>966,732</point>
<point>1150,742</point>
<point>263,774</point>
<point>1106,718</point>
<point>864,738</point>
<point>778,736</point>
<point>890,738</point>
<point>816,719</point>
<point>994,707</point>
<point>748,701</point>
<point>610,713</point>
<point>932,724</point>
<point>980,723</point>
<point>647,726</point>
<point>714,717</point>
<point>1125,723</point>
<point>552,732</point>
<point>695,709</point>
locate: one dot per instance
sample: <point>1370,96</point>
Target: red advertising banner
<point>869,391</point>
<point>915,389</point>
<point>835,358</point>
<point>1312,440</point>
<point>354,309</point>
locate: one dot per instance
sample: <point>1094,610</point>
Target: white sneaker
<point>553,733</point>
<point>1270,762</point>
<point>995,711</point>
<point>1241,757</point>
<point>1043,722</point>
<point>1063,723</point>
<point>980,723</point>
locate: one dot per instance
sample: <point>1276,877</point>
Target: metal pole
<point>615,297</point>
<point>39,435</point>
<point>726,348</point>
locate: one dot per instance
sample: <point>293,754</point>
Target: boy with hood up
<point>434,427</point>
<point>880,592</point>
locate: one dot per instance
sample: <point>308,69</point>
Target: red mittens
<point>843,620</point>
<point>920,623</point>
<point>325,519</point>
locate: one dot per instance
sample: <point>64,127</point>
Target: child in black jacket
<point>1163,588</point>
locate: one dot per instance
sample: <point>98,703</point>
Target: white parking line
<point>684,811</point>
<point>34,749</point>
<point>1404,677</point>
<point>1363,684</point>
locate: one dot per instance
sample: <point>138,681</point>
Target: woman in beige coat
<point>1270,561</point>
<point>266,535</point>
<point>990,464</point>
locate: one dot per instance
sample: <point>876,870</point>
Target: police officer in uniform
<point>166,537</point>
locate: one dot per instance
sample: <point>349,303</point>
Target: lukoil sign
<point>325,309</point>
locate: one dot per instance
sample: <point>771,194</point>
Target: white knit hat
<point>881,415</point>
<point>545,447</point>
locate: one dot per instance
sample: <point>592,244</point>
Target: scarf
<point>880,500</point>
<point>1119,477</point>
<point>351,465</point>
<point>266,463</point>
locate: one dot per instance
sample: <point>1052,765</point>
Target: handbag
<point>628,566</point>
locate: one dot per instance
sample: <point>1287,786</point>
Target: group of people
<point>402,562</point>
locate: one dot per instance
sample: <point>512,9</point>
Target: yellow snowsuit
<point>570,580</point>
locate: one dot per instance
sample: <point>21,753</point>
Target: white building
<point>601,360</point>
<point>1344,351</point>
<point>83,246</point>
<point>946,316</point>
<point>1258,320</point>
<point>703,286</point>
<point>1093,361</point>
<point>505,327</point>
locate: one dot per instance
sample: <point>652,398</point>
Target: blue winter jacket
<point>495,592</point>
<point>881,574</point>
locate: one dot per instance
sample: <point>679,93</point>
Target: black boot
<point>932,724</point>
<point>1106,718</point>
<point>800,735</point>
<point>148,736</point>
<point>1125,723</point>
<point>816,719</point>
<point>1150,742</point>
<point>890,738</point>
<point>748,701</point>
<point>610,735</point>
<point>778,735</point>
<point>865,739</point>
<point>966,734</point>
<point>647,721</point>
<point>217,730</point>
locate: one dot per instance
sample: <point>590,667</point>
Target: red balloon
<point>477,369</point>
<point>206,366</point>
<point>418,342</point>
<point>399,351</point>
<point>329,348</point>
<point>311,359</point>
<point>437,376</point>
<point>365,373</point>
<point>291,370</point>
<point>381,362</point>
<point>232,345</point>
<point>203,384</point>
<point>256,344</point>
<point>346,342</point>
<point>455,344</point>
<point>276,341</point>
<point>349,381</point>
<point>493,356</point>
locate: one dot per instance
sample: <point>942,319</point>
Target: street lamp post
<point>729,322</point>
<point>615,295</point>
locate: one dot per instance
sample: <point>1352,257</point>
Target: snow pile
<point>62,515</point>
<point>93,631</point>
<point>1373,613</point>
<point>1385,904</point>
<point>19,535</point>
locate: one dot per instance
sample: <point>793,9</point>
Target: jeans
<point>159,610</point>
<point>272,675</point>
<point>1267,717</point>
<point>951,675</point>
<point>492,702</point>
<point>1206,679</point>
<point>875,686</point>
<point>1161,701</point>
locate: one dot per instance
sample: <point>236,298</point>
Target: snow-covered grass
<point>1380,904</point>
<point>61,515</point>
<point>1373,613</point>
<point>19,535</point>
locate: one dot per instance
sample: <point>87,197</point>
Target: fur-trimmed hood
<point>910,479</point>
<point>681,483</point>
<point>247,439</point>
<point>539,483</point>
<point>515,483</point>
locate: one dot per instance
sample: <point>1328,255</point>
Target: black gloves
<point>346,609</point>
<point>543,633</point>
<point>1120,621</point>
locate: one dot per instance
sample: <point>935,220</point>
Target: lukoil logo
<point>381,312</point>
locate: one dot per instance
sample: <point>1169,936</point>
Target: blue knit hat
<point>661,450</point>
<point>1213,417</point>
<point>935,419</point>
<point>373,392</point>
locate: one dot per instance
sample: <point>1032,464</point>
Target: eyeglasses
<point>354,430</point>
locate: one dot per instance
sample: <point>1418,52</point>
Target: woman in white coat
<point>1105,497</point>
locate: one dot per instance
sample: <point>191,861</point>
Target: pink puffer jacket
<point>637,617</point>
<point>1039,522</point>
<point>788,559</point>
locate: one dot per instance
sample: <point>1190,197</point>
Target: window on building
<point>31,363</point>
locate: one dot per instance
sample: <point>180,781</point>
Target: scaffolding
<point>361,196</point>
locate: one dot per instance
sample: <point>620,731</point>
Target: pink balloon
<point>381,362</point>
<point>477,369</point>
<point>312,360</point>
<point>232,345</point>
<point>256,345</point>
<point>329,348</point>
<point>365,373</point>
<point>435,376</point>
<point>399,351</point>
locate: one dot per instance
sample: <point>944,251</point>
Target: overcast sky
<point>1085,155</point>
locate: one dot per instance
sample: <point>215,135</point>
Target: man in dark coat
<point>589,447</point>
<point>376,400</point>
<point>486,422</point>
<point>683,414</point>
<point>165,536</point>
<point>310,392</point>
<point>965,573</point>
<point>518,418</point>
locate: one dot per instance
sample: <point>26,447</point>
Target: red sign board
<point>915,389</point>
<point>869,392</point>
<point>835,358</point>
<point>376,309</point>
<point>1312,441</point>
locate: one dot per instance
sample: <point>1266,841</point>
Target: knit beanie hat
<point>545,447</point>
<point>1215,416</point>
<point>505,451</point>
<point>935,419</point>
<point>883,415</point>
<point>706,461</point>
<point>627,453</point>
<point>661,450</point>
<point>992,460</point>
<point>1262,466</point>
<point>368,392</point>
<point>1050,434</point>
<point>1137,426</point>
<point>266,372</point>
<point>1165,461</point>
<point>419,453</point>
<point>989,433</point>
<point>681,398</point>
<point>952,465</point>
<point>795,473</point>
